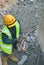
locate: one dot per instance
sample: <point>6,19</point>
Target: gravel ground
<point>28,12</point>
<point>34,54</point>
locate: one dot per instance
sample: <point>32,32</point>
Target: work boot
<point>4,60</point>
<point>11,57</point>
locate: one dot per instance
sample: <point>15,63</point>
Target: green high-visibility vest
<point>7,48</point>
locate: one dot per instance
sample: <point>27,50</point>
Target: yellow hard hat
<point>9,19</point>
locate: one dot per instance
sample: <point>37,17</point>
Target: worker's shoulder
<point>18,21</point>
<point>4,26</point>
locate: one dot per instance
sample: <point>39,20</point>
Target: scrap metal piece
<point>24,58</point>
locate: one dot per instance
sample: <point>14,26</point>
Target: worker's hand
<point>16,40</point>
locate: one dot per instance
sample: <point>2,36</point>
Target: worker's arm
<point>19,29</point>
<point>6,39</point>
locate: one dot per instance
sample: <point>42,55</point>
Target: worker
<point>9,38</point>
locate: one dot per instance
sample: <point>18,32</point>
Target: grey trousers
<point>4,54</point>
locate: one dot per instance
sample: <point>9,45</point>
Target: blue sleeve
<point>6,39</point>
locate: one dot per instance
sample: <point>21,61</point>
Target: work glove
<point>15,40</point>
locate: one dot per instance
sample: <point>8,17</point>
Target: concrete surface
<point>41,32</point>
